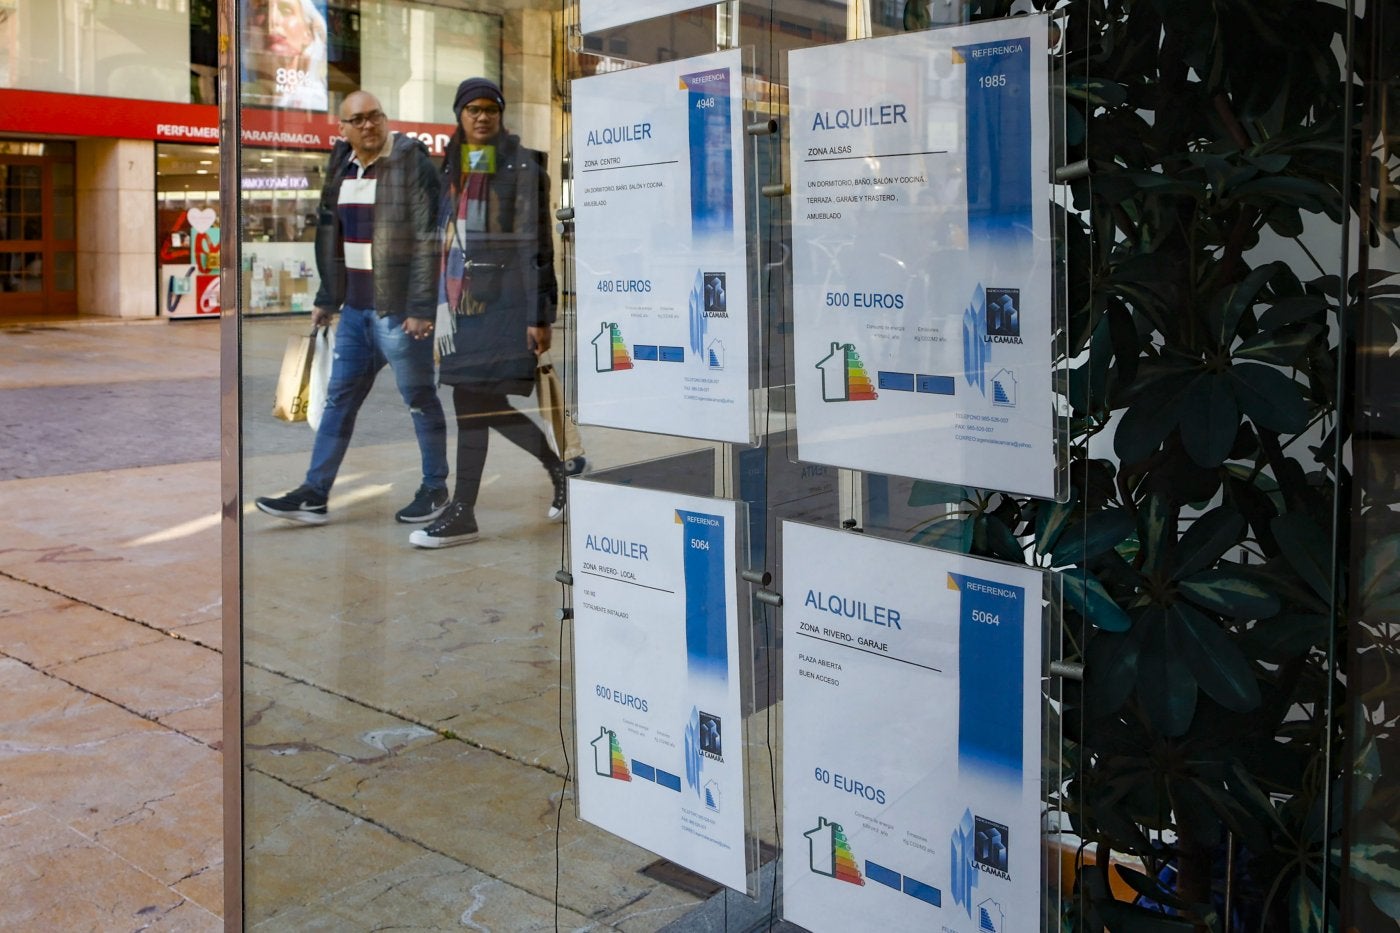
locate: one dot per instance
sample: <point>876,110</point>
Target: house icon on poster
<point>1004,389</point>
<point>714,354</point>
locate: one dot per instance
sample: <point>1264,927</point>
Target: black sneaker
<point>456,526</point>
<point>576,466</point>
<point>427,505</point>
<point>302,504</point>
<point>559,476</point>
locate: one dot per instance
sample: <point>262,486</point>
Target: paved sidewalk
<point>110,648</point>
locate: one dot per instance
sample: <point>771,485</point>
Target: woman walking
<point>497,301</point>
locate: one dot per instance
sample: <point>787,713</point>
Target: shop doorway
<point>38,238</point>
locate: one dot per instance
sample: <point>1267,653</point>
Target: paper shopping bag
<point>563,433</point>
<point>294,381</point>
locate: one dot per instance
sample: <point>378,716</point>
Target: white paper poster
<point>594,15</point>
<point>911,737</point>
<point>659,207</point>
<point>660,752</point>
<point>922,257</point>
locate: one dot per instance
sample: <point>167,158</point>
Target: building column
<point>116,228</point>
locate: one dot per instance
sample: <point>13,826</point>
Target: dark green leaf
<point>1209,537</point>
<point>1283,637</point>
<point>1228,307</point>
<point>1307,548</point>
<point>1110,671</point>
<point>1377,863</point>
<point>998,539</point>
<point>923,492</point>
<point>1124,918</point>
<point>1166,688</point>
<point>949,534</point>
<point>1087,595</point>
<point>1272,162</point>
<point>1293,309</point>
<point>1147,886</point>
<point>1221,670</point>
<point>1090,538</point>
<point>1283,347</point>
<point>1304,193</point>
<point>1210,418</point>
<point>1152,531</point>
<point>1229,593</point>
<point>1270,399</point>
<point>1305,908</point>
<point>1050,521</point>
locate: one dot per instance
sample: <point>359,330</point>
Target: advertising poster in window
<point>922,261</point>
<point>284,54</point>
<point>658,188</point>
<point>660,751</point>
<point>594,15</point>
<point>189,263</point>
<point>911,737</point>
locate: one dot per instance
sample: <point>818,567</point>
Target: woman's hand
<point>539,338</point>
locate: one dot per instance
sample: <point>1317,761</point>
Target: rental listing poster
<point>659,213</point>
<point>657,678</point>
<point>922,261</point>
<point>911,737</point>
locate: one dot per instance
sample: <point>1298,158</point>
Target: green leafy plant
<point>1203,548</point>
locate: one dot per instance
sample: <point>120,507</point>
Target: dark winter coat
<point>404,251</point>
<point>512,273</point>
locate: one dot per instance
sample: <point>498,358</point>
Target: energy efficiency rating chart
<point>922,262</point>
<point>659,217</point>
<point>911,737</point>
<point>657,703</point>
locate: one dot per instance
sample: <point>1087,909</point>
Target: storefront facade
<point>109,138</point>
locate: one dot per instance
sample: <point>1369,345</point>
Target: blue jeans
<point>364,342</point>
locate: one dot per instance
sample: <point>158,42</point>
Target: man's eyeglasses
<point>361,120</point>
<point>474,111</point>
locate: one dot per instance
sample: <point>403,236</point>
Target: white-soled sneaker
<point>457,525</point>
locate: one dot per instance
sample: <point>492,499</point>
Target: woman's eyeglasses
<point>474,111</point>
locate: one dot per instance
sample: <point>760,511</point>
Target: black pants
<point>479,412</point>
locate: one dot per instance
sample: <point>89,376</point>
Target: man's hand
<point>418,328</point>
<point>539,338</point>
<point>320,317</point>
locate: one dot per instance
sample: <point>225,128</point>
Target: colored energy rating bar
<point>846,869</point>
<point>620,358</point>
<point>859,387</point>
<point>619,761</point>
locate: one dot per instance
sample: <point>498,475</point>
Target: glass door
<point>37,231</point>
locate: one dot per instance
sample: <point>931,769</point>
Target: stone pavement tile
<point>205,887</point>
<point>298,848</point>
<point>143,543</point>
<point>495,814</point>
<point>53,877</point>
<point>158,837</point>
<point>97,768</point>
<point>203,723</point>
<point>299,733</point>
<point>65,631</point>
<point>16,597</point>
<point>93,353</point>
<point>159,680</point>
<point>432,892</point>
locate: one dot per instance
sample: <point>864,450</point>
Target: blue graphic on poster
<point>711,156</point>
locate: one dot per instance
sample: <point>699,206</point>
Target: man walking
<point>376,252</point>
